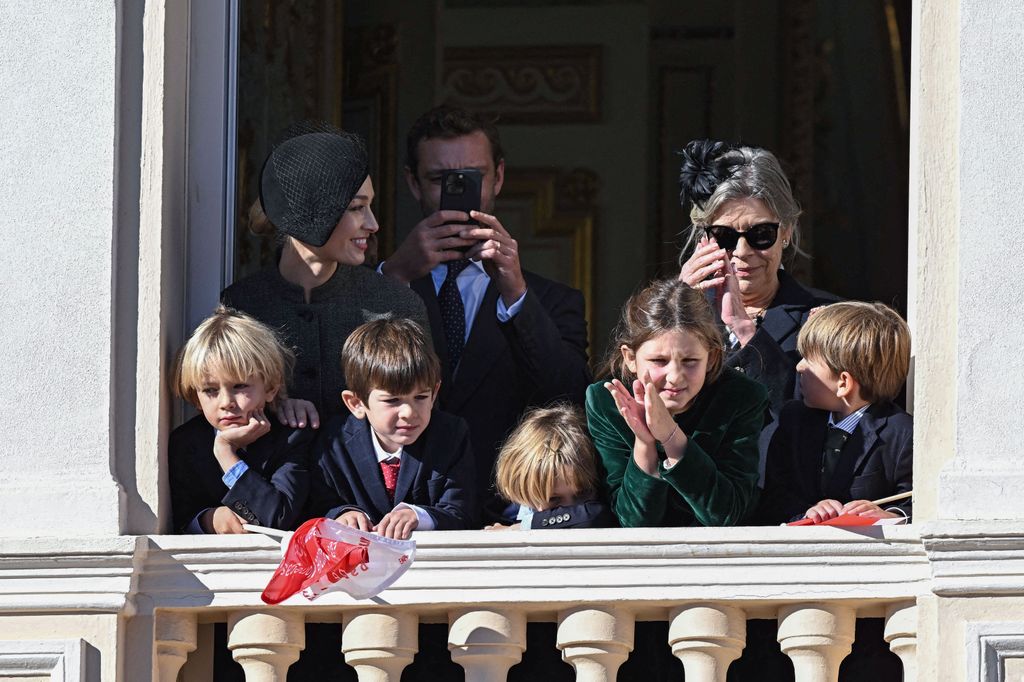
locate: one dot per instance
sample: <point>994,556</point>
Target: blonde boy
<point>846,443</point>
<point>231,464</point>
<point>547,466</point>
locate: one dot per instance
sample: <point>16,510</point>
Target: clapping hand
<point>632,407</point>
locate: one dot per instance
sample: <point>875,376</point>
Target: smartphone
<point>460,191</point>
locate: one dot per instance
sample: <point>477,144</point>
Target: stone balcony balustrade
<point>594,584</point>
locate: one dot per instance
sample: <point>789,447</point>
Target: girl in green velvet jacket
<point>675,431</point>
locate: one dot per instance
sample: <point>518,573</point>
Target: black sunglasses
<point>760,236</point>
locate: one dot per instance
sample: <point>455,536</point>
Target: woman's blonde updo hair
<point>664,306</point>
<point>714,173</point>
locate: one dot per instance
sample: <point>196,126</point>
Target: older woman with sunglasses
<point>744,218</point>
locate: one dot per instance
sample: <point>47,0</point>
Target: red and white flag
<point>324,555</point>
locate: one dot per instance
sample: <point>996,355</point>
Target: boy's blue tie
<point>453,313</point>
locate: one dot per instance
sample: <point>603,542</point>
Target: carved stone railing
<point>155,595</point>
<point>595,584</point>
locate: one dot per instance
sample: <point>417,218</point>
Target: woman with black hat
<point>316,190</point>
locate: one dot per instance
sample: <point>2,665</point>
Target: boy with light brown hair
<point>846,442</point>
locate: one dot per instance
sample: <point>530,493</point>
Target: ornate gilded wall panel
<point>551,213</point>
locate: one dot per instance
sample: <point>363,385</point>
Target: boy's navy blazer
<point>590,514</point>
<point>877,461</point>
<point>436,472</point>
<point>271,493</point>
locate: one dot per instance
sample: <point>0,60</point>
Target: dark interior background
<point>593,98</point>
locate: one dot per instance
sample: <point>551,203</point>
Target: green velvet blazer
<point>714,484</point>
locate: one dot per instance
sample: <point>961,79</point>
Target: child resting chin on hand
<point>231,464</point>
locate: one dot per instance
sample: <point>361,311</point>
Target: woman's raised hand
<point>730,303</point>
<point>631,407</point>
<point>705,269</point>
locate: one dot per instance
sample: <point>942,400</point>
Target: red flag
<point>311,557</point>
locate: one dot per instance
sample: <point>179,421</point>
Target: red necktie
<point>390,471</point>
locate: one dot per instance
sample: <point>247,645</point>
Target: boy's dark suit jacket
<point>271,493</point>
<point>436,473</point>
<point>537,357</point>
<point>877,461</point>
<point>591,514</point>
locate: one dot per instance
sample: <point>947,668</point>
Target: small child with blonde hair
<point>547,466</point>
<point>231,464</point>
<point>846,442</point>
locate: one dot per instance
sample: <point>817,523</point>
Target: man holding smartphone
<point>508,339</point>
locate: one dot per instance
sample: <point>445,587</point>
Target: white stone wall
<point>57,176</point>
<point>984,479</point>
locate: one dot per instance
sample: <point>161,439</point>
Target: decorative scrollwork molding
<point>531,84</point>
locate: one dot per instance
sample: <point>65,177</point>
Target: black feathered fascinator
<point>701,171</point>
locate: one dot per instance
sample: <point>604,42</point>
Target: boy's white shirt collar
<point>382,454</point>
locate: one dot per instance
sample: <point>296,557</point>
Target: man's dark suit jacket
<point>537,357</point>
<point>436,473</point>
<point>877,461</point>
<point>271,493</point>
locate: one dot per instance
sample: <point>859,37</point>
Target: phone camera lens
<point>455,183</point>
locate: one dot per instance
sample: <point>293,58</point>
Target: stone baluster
<point>816,637</point>
<point>595,641</point>
<point>486,642</point>
<point>901,634</point>
<point>174,634</point>
<point>265,643</point>
<point>707,638</point>
<point>379,645</point>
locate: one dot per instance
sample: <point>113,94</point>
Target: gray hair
<point>755,173</point>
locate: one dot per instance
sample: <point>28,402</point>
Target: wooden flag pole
<point>894,498</point>
<point>266,531</point>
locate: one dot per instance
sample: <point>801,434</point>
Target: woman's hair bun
<point>701,170</point>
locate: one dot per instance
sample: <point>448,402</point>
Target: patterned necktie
<point>390,470</point>
<point>834,442</point>
<point>453,312</point>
